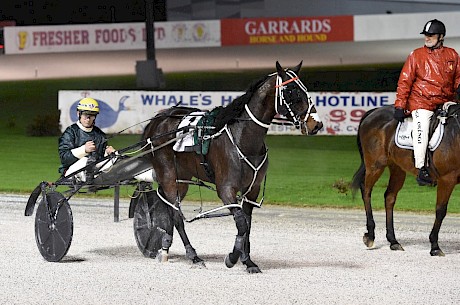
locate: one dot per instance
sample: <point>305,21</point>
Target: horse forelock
<point>227,114</point>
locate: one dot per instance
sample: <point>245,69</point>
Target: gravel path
<point>307,256</point>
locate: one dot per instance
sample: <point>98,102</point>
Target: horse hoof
<point>199,265</point>
<point>228,262</point>
<point>253,270</point>
<point>396,247</point>
<point>162,256</point>
<point>367,241</point>
<point>198,262</point>
<point>437,252</point>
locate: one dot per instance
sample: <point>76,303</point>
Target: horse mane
<point>228,114</point>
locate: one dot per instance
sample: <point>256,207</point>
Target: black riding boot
<point>423,177</point>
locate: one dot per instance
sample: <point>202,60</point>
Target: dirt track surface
<point>307,256</point>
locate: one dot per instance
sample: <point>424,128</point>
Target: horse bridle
<point>285,97</point>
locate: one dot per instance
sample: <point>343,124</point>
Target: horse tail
<point>358,178</point>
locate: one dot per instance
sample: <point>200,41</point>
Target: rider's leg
<point>421,124</point>
<point>77,166</point>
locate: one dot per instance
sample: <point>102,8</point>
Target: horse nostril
<point>317,128</point>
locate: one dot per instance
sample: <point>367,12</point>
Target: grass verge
<point>304,171</point>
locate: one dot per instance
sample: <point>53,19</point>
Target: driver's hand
<point>90,147</point>
<point>109,150</point>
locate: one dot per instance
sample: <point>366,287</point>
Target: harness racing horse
<point>376,143</point>
<point>236,162</point>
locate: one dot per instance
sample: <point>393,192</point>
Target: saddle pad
<point>403,135</point>
<point>190,120</point>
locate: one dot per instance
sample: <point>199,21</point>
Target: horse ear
<point>297,68</point>
<point>279,69</point>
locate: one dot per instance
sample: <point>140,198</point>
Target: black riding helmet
<point>433,27</point>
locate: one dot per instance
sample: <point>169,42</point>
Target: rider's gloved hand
<point>399,114</point>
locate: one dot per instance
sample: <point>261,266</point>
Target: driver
<point>83,141</point>
<point>428,79</point>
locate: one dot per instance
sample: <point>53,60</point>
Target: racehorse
<point>376,143</point>
<point>236,162</point>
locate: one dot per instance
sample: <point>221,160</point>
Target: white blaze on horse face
<point>316,117</point>
<point>311,112</point>
<point>306,127</point>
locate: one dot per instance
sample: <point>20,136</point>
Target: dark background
<point>52,12</point>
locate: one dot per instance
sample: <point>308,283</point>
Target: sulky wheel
<point>151,222</point>
<point>53,227</point>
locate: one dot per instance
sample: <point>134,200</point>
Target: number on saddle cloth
<point>194,140</point>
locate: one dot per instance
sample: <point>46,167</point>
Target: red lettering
<point>111,36</point>
<point>57,38</point>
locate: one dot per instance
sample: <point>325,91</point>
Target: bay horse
<point>236,162</point>
<point>376,144</point>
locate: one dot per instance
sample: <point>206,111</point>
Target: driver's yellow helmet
<point>88,105</point>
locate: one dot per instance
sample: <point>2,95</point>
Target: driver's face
<point>87,120</point>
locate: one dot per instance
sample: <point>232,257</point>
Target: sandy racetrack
<point>307,256</point>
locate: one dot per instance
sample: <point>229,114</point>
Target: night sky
<point>52,12</point>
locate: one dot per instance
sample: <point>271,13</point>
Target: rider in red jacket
<point>428,79</point>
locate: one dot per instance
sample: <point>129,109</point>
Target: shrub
<point>44,125</point>
<point>342,186</point>
<point>11,123</point>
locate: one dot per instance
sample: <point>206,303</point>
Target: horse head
<point>293,101</point>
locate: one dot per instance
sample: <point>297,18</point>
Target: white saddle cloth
<point>403,135</point>
<point>190,120</point>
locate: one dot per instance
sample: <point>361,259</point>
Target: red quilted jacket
<point>428,78</point>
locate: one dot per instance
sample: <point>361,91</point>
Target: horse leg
<point>372,175</point>
<point>445,188</point>
<point>396,182</point>
<point>241,248</point>
<point>251,267</point>
<point>179,192</point>
<point>190,252</point>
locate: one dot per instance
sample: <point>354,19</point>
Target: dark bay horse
<point>376,143</point>
<point>236,162</point>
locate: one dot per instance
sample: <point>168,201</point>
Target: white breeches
<point>421,124</point>
<point>81,176</point>
<point>148,176</point>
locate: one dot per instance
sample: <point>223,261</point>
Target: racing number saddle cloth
<point>403,135</point>
<point>202,123</point>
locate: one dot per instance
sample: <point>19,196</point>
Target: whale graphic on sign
<point>107,115</point>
